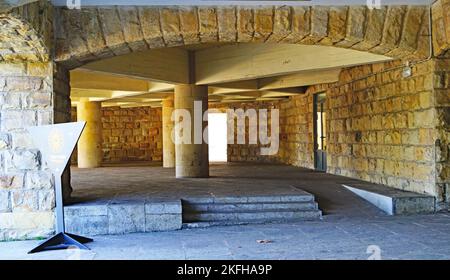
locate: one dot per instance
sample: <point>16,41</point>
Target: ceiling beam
<point>299,79</point>
<point>169,65</point>
<point>251,61</point>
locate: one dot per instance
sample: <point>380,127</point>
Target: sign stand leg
<point>61,240</point>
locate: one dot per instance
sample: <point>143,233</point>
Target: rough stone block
<point>25,159</point>
<point>86,210</point>
<point>34,221</point>
<point>87,225</point>
<point>11,181</point>
<point>126,218</point>
<point>163,207</point>
<point>39,180</point>
<point>17,119</point>
<point>163,222</point>
<point>5,201</point>
<point>46,200</point>
<point>24,201</point>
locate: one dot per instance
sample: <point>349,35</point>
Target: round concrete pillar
<point>191,159</point>
<point>90,144</point>
<point>167,124</point>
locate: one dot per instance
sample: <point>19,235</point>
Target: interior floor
<point>129,182</point>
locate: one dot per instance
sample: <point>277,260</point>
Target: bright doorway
<point>217,137</point>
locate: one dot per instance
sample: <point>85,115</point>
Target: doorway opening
<point>217,137</point>
<point>320,140</point>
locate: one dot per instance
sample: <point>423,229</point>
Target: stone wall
<point>442,102</point>
<point>382,128</point>
<point>130,134</point>
<point>26,189</point>
<point>441,27</point>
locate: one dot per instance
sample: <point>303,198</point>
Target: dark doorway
<point>320,141</point>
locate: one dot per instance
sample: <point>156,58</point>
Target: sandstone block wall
<point>381,128</point>
<point>26,188</point>
<point>130,134</point>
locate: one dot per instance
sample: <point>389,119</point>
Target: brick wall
<point>130,134</point>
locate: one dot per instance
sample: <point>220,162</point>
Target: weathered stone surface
<point>125,218</point>
<point>245,24</point>
<point>5,141</point>
<point>11,181</point>
<point>35,221</point>
<point>356,25</point>
<point>86,210</point>
<point>263,23</point>
<point>170,26</point>
<point>5,201</point>
<point>207,17</point>
<point>46,200</point>
<point>163,207</point>
<point>37,100</point>
<point>374,29</point>
<point>130,134</point>
<point>22,159</point>
<point>24,201</point>
<point>281,23</point>
<point>87,225</point>
<point>112,30</point>
<point>300,24</point>
<point>151,27</point>
<point>226,23</point>
<point>163,222</point>
<point>319,24</point>
<point>189,21</point>
<point>17,119</point>
<point>337,24</point>
<point>392,29</point>
<point>39,180</point>
<point>131,28</point>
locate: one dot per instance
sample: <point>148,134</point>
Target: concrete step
<point>306,197</point>
<point>252,216</point>
<point>234,223</point>
<point>243,207</point>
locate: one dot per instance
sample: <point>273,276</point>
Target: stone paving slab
<point>410,237</point>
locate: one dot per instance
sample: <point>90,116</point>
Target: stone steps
<point>233,207</point>
<point>246,210</point>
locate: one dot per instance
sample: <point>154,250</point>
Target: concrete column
<point>90,144</point>
<point>167,127</point>
<point>191,160</point>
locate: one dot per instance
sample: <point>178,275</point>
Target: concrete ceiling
<point>233,72</point>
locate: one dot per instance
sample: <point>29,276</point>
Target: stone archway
<point>92,34</point>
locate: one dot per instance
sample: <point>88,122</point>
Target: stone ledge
<point>123,217</point>
<point>393,201</point>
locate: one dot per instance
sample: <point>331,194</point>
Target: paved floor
<point>119,183</point>
<point>350,229</point>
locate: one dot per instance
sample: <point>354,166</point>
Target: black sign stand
<point>62,239</point>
